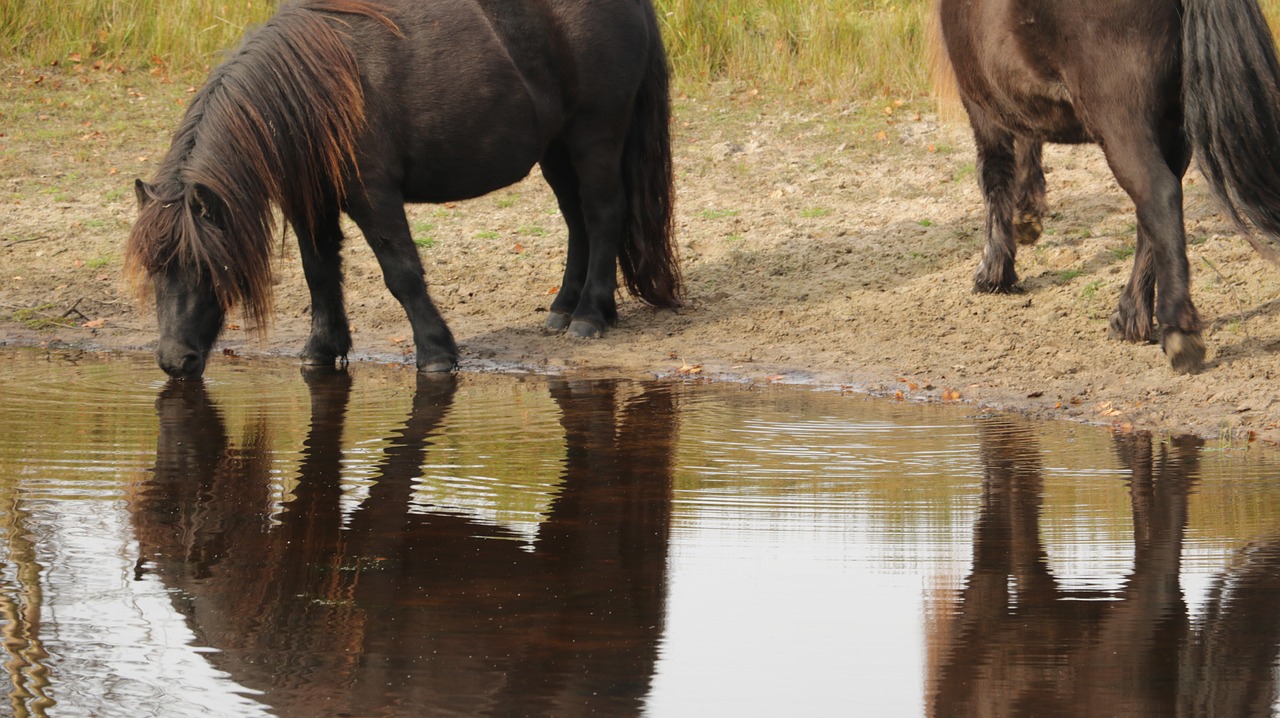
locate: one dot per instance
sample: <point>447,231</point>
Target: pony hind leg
<point>320,248</point>
<point>558,171</point>
<point>597,165</point>
<point>1030,207</point>
<point>380,216</point>
<point>997,174</point>
<point>1152,179</point>
<point>1134,318</point>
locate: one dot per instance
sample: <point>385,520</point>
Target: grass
<point>136,33</point>
<point>718,213</point>
<point>823,48</point>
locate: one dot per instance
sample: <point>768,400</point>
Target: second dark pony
<point>359,107</point>
<point>1148,80</point>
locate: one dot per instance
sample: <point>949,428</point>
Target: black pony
<point>359,107</point>
<point>1147,80</point>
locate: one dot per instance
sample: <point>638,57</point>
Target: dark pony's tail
<point>1231,97</point>
<point>648,257</point>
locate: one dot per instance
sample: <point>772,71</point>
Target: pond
<point>373,543</point>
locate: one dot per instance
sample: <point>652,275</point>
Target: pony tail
<point>648,257</point>
<point>1231,98</point>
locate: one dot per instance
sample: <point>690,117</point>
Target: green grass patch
<point>37,318</point>
<point>1122,253</point>
<point>718,213</point>
<point>1090,290</point>
<point>816,212</point>
<point>531,231</point>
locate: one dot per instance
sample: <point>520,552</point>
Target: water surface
<point>374,543</point>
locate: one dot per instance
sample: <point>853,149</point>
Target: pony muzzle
<point>180,361</point>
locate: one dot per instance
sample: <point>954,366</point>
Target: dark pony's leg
<point>1134,318</point>
<point>557,169</point>
<point>997,172</point>
<point>1028,218</point>
<point>380,215</point>
<point>320,246</point>
<point>597,161</point>
<point>1150,171</point>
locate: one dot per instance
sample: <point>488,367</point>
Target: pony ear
<point>146,193</point>
<point>205,203</point>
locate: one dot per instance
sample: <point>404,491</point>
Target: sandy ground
<point>830,244</point>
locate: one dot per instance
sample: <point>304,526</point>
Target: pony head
<point>183,250</point>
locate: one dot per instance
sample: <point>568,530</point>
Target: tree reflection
<point>1019,644</point>
<point>385,611</point>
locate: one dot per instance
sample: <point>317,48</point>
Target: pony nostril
<point>191,365</point>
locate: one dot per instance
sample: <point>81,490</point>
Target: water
<point>374,544</point>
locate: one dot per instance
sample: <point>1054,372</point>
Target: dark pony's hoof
<point>585,329</point>
<point>1131,329</point>
<point>438,366</point>
<point>1027,228</point>
<point>315,360</point>
<point>1184,349</point>
<point>984,286</point>
<point>557,322</point>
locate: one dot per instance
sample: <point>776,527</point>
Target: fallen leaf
<point>232,326</point>
<point>518,249</point>
<point>228,352</point>
<point>397,339</point>
<point>899,396</point>
<point>690,369</point>
<point>1035,395</point>
<point>774,377</point>
<point>95,324</point>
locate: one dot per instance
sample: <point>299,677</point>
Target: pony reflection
<point>1019,644</point>
<point>381,610</point>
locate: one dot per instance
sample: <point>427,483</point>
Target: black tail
<point>648,257</point>
<point>1231,91</point>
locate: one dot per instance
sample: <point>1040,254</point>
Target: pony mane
<point>276,123</point>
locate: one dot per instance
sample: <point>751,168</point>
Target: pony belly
<point>457,179</point>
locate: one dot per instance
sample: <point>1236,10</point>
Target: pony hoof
<point>1027,228</point>
<point>585,329</point>
<point>1129,331</point>
<point>317,361</point>
<point>557,322</point>
<point>438,366</point>
<point>983,286</point>
<point>1185,350</point>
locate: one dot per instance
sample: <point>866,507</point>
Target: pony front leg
<point>997,168</point>
<point>386,229</point>
<point>320,248</point>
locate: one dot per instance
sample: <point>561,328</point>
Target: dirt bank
<point>830,244</point>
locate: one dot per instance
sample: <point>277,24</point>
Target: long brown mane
<point>276,123</point>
